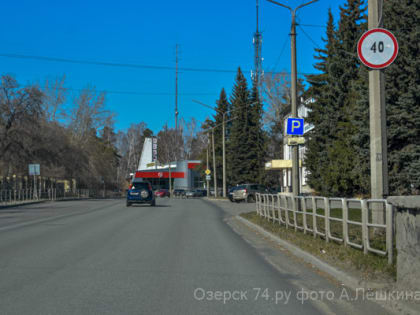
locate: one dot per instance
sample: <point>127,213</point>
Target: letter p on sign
<point>295,126</point>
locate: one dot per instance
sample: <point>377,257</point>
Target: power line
<point>309,37</point>
<point>126,92</point>
<point>312,25</point>
<point>316,45</point>
<point>110,64</point>
<point>121,65</point>
<point>281,53</point>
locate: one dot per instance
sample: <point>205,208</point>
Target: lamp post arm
<point>198,102</point>
<point>304,4</point>
<point>280,4</point>
<point>210,129</point>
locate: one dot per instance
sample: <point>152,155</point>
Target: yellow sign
<point>280,164</point>
<point>296,140</point>
<point>207,171</point>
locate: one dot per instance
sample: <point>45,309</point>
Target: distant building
<point>182,173</point>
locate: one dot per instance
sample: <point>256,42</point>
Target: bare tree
<point>191,131</point>
<point>20,111</point>
<point>87,115</point>
<point>54,98</point>
<point>276,93</point>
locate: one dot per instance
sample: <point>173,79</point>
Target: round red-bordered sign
<point>377,48</point>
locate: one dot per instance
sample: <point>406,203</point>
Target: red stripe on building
<point>159,175</point>
<point>192,165</point>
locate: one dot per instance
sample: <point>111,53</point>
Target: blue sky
<point>211,35</point>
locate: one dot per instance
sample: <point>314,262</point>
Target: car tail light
<point>245,190</point>
<point>150,187</point>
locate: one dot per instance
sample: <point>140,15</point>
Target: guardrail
<point>22,196</point>
<point>346,221</point>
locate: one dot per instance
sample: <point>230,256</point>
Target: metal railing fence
<point>21,196</point>
<point>346,221</point>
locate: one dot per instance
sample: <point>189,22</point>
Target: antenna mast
<point>258,72</point>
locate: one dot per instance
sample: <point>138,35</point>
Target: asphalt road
<point>181,257</point>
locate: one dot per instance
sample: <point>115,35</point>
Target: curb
<point>39,201</point>
<point>350,281</point>
<point>22,204</point>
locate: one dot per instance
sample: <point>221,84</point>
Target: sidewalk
<point>377,290</point>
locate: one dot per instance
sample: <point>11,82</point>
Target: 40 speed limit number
<point>377,48</point>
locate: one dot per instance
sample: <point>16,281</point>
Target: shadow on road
<point>149,206</point>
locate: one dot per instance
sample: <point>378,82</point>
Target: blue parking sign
<point>295,126</point>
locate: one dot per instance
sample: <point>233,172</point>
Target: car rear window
<point>140,186</point>
<point>240,187</point>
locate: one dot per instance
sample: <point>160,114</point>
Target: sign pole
<point>214,164</point>
<point>295,149</point>
<point>378,145</point>
<point>207,179</point>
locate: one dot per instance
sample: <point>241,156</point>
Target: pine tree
<point>316,139</point>
<point>322,112</point>
<point>222,107</point>
<point>256,139</point>
<point>238,131</point>
<point>341,175</point>
<point>402,86</point>
<point>332,151</point>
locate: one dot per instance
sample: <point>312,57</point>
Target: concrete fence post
<point>389,232</point>
<point>294,209</point>
<point>314,216</point>
<point>305,227</point>
<point>407,239</point>
<point>365,229</point>
<point>273,208</point>
<point>286,207</point>
<point>327,218</point>
<point>345,217</point>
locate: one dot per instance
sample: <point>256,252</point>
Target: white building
<point>287,151</point>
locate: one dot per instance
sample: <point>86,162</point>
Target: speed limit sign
<point>377,48</point>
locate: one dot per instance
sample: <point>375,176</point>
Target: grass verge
<point>367,267</point>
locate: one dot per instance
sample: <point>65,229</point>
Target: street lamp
<point>208,186</point>
<point>214,158</point>
<point>295,152</point>
<point>223,138</point>
<point>223,142</point>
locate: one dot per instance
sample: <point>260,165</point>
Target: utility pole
<point>176,88</point>
<point>207,181</point>
<point>214,164</point>
<point>295,149</point>
<point>223,139</point>
<point>378,145</point>
<point>176,119</point>
<point>224,155</point>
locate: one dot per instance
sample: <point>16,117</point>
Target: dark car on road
<point>194,193</point>
<point>140,192</point>
<point>202,192</point>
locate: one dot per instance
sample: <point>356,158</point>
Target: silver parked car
<point>247,192</point>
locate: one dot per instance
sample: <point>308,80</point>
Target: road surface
<point>181,257</point>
